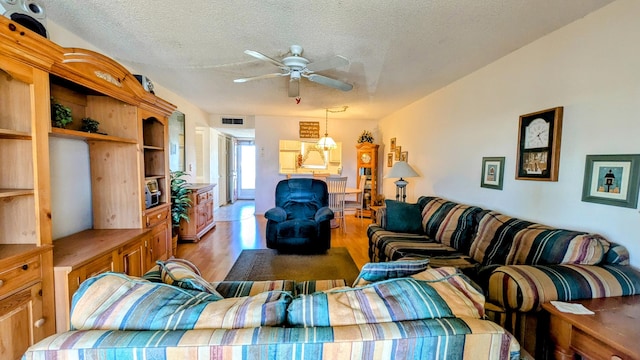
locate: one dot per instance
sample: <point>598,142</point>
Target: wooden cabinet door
<point>159,245</point>
<point>21,316</point>
<point>131,258</point>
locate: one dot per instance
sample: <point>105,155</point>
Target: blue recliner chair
<point>301,220</point>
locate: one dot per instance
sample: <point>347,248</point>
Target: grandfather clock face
<point>365,158</point>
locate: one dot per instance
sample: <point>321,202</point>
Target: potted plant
<point>60,114</point>
<point>90,125</point>
<point>180,203</point>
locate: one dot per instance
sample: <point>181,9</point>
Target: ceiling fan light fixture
<point>297,66</point>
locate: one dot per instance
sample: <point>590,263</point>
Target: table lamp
<point>401,170</point>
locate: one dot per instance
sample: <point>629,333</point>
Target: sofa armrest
<point>526,287</point>
<point>276,214</point>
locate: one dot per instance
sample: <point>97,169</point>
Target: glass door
<point>246,151</point>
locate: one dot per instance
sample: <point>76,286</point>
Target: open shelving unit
<point>38,274</point>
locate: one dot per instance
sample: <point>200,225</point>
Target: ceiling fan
<point>295,66</point>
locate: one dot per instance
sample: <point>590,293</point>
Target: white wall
<point>71,209</point>
<point>590,67</point>
<point>270,130</point>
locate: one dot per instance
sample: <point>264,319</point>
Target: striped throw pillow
<point>182,273</point>
<point>114,301</point>
<point>372,272</point>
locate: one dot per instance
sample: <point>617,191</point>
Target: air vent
<point>232,121</point>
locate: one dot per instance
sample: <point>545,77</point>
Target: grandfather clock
<point>368,167</point>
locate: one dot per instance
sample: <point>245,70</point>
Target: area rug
<point>268,264</point>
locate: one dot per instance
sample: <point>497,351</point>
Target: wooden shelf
<point>80,248</point>
<point>11,134</point>
<point>74,134</point>
<point>4,193</point>
<point>8,251</point>
<point>151,177</point>
<point>149,147</point>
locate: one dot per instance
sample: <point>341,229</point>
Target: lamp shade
<point>326,143</point>
<point>401,170</point>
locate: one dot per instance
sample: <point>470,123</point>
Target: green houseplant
<point>60,114</point>
<point>180,201</point>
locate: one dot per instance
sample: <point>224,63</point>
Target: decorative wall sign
<point>612,180</point>
<point>539,136</point>
<point>492,172</point>
<point>309,129</point>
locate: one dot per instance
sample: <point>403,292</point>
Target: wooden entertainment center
<point>130,149</point>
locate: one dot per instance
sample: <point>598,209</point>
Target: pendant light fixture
<point>326,142</point>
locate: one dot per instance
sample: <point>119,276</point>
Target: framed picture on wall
<point>390,159</point>
<point>393,144</point>
<point>539,136</point>
<point>612,180</point>
<point>492,172</point>
<point>397,152</point>
<point>404,156</point>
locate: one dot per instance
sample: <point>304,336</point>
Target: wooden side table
<point>612,333</point>
<point>374,210</point>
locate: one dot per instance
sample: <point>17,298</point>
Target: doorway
<point>246,155</point>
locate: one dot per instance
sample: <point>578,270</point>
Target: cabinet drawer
<point>157,217</point>
<point>202,198</point>
<point>593,348</point>
<point>19,275</point>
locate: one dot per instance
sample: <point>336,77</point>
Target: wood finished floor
<point>238,228</point>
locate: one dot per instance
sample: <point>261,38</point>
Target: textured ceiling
<point>399,50</point>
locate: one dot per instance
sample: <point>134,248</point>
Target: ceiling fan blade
<point>264,57</point>
<point>259,77</point>
<point>323,80</point>
<point>330,63</point>
<point>294,87</point>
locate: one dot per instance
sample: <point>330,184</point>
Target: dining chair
<point>336,186</point>
<point>358,204</point>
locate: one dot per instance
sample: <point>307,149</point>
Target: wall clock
<point>539,135</point>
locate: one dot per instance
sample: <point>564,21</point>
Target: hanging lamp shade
<point>326,142</point>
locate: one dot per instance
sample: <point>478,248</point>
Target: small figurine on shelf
<point>365,137</point>
<point>60,114</point>
<point>90,125</point>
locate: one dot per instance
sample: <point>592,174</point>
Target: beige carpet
<point>267,264</point>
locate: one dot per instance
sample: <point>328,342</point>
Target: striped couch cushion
<point>448,222</point>
<point>617,255</point>
<point>386,301</point>
<point>525,287</point>
<point>114,301</point>
<point>388,245</point>
<point>432,339</point>
<point>404,267</point>
<point>231,289</point>
<point>504,240</point>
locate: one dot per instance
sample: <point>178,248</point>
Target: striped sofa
<point>433,314</point>
<point>519,264</point>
